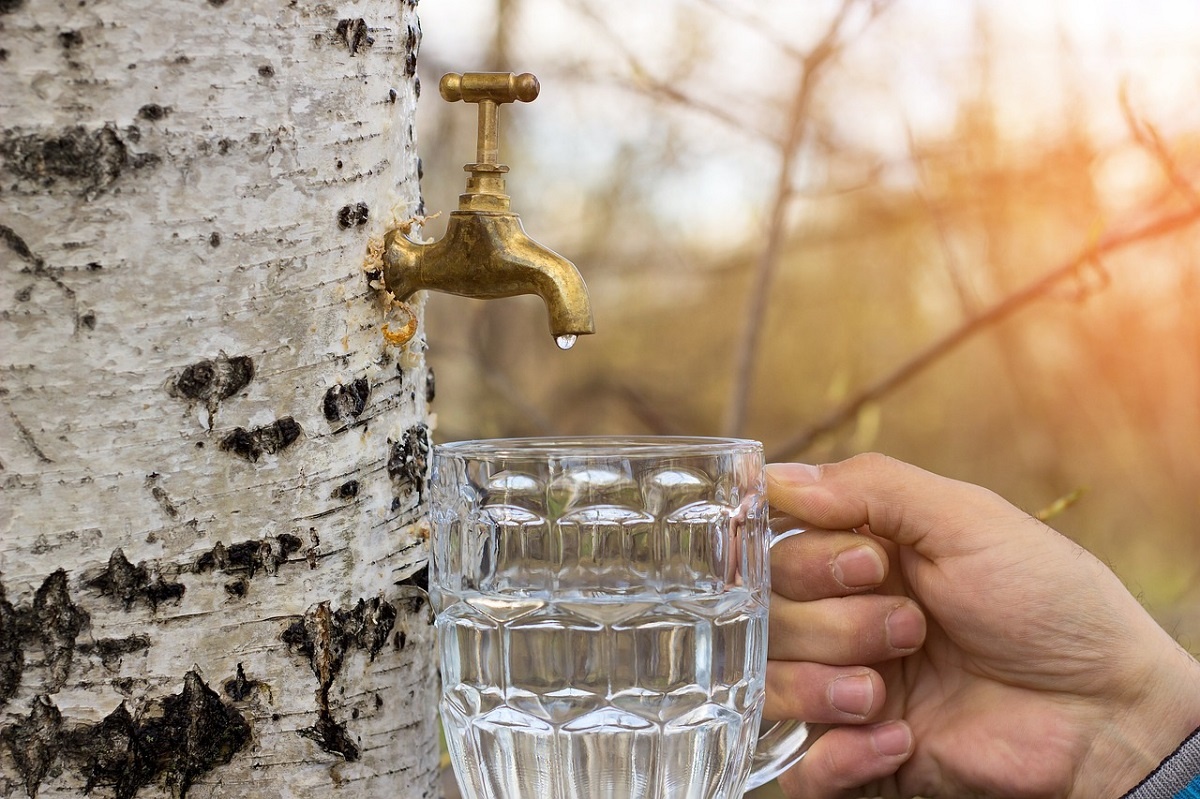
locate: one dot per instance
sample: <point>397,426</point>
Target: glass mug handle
<point>784,743</point>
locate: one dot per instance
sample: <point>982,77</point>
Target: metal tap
<point>486,253</point>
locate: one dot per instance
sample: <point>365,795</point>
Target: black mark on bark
<point>354,34</point>
<point>88,161</point>
<point>130,584</point>
<point>9,6</point>
<point>353,215</point>
<point>160,495</point>
<point>248,558</point>
<point>153,112</point>
<point>38,268</point>
<point>214,239</point>
<point>347,490</point>
<point>18,245</point>
<point>34,741</point>
<point>266,71</point>
<point>324,636</point>
<point>269,439</point>
<point>12,656</point>
<point>111,650</point>
<point>213,381</point>
<point>240,688</point>
<point>430,385</point>
<point>408,459</point>
<point>69,40</point>
<point>57,621</point>
<point>110,754</point>
<point>175,739</point>
<point>410,65</point>
<point>345,403</point>
<point>27,436</point>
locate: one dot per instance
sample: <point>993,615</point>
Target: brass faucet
<point>486,253</point>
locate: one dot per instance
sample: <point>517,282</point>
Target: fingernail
<point>793,473</point>
<point>905,627</point>
<point>891,739</point>
<point>854,695</point>
<point>859,567</point>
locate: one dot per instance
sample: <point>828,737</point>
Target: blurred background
<point>961,233</point>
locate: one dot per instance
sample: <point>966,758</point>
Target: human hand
<point>1033,672</point>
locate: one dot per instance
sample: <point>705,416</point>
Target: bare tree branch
<point>811,69</point>
<point>1146,135</point>
<point>998,312</point>
<point>642,80</point>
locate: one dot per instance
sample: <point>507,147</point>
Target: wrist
<point>1131,738</point>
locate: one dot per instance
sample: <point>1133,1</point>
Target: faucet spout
<point>487,255</point>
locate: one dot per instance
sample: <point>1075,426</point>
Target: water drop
<point>565,342</point>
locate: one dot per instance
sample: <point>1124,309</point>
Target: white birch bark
<point>211,462</point>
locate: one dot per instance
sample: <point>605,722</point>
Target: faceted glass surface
<point>601,612</point>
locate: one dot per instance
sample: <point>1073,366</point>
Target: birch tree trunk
<point>212,463</point>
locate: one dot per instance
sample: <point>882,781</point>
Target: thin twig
<point>998,312</point>
<point>1145,134</point>
<point>811,68</point>
<point>643,80</point>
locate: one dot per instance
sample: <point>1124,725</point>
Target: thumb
<point>936,516</point>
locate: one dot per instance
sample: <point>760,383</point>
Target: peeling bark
<point>212,469</point>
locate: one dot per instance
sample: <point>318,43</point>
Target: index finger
<point>936,516</point>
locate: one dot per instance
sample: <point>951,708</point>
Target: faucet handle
<point>485,187</point>
<point>496,87</point>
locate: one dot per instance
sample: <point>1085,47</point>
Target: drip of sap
<point>565,342</point>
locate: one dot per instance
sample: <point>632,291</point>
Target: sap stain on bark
<point>325,636</point>
<point>408,458</point>
<point>354,34</point>
<point>74,158</point>
<point>345,403</point>
<point>130,584</point>
<point>173,740</point>
<point>248,558</point>
<point>355,215</point>
<point>212,381</point>
<point>268,439</point>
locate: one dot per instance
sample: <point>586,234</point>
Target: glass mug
<point>601,611</point>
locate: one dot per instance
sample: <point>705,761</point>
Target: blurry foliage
<point>650,160</point>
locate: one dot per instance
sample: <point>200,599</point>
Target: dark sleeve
<point>1177,777</point>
